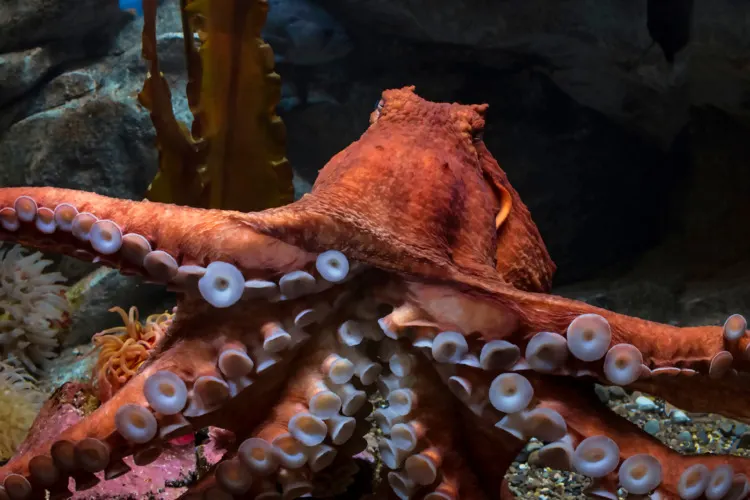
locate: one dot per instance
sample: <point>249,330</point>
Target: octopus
<point>407,292</point>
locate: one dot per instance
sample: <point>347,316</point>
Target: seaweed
<point>233,155</point>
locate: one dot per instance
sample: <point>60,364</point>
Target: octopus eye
<point>376,112</point>
<point>477,136</point>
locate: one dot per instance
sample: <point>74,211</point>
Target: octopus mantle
<point>411,267</point>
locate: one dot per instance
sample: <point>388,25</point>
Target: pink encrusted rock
<point>165,478</point>
<point>219,442</point>
<point>63,409</point>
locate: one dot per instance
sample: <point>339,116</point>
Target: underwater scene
<point>374,249</point>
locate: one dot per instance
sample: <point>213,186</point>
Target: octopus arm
<point>639,460</point>
<point>141,237</point>
<point>659,358</point>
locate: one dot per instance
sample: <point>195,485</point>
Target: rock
<point>638,298</point>
<point>602,393</point>
<point>38,38</point>
<point>302,33</point>
<point>166,478</point>
<point>21,71</point>
<point>652,427</point>
<point>26,23</point>
<point>580,48</point>
<point>685,436</point>
<point>703,437</point>
<point>679,417</point>
<point>528,450</point>
<point>740,429</point>
<point>744,442</point>
<point>98,142</point>
<point>109,290</point>
<point>85,128</point>
<point>72,365</point>
<point>218,442</point>
<point>726,427</point>
<point>617,391</point>
<point>645,404</point>
<point>168,20</point>
<point>64,408</point>
<point>61,89</point>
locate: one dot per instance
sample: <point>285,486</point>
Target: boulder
<point>25,24</point>
<point>596,53</point>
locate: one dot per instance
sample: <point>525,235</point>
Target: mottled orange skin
<point>417,197</point>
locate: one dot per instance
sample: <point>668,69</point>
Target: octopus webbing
<point>412,271</point>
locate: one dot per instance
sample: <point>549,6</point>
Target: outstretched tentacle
<point>94,444</point>
<point>142,237</point>
<point>660,346</point>
<point>553,335</point>
<point>657,358</point>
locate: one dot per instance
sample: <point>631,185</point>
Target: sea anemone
<point>20,401</point>
<point>125,348</point>
<point>33,308</point>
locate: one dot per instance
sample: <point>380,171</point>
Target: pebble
<point>685,437</point>
<point>534,445</point>
<point>679,417</point>
<point>694,433</point>
<point>602,393</point>
<point>617,391</point>
<point>645,404</point>
<point>726,427</point>
<point>530,448</point>
<point>702,437</point>
<point>652,427</point>
<point>744,442</point>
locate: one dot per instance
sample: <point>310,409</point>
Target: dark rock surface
<point>593,54</point>
<point>109,289</point>
<point>21,71</point>
<point>29,23</point>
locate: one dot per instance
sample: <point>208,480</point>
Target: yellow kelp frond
<point>247,167</point>
<point>123,349</point>
<point>20,401</point>
<point>181,157</point>
<point>235,157</point>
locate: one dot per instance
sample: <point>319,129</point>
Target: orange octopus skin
<point>428,227</point>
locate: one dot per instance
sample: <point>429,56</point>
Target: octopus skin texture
<point>413,266</point>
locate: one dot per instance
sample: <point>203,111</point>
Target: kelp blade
<point>235,157</point>
<point>180,156</point>
<point>247,166</point>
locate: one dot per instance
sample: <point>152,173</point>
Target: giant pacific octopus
<point>412,274</point>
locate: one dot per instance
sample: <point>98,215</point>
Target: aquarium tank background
<point>623,127</point>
